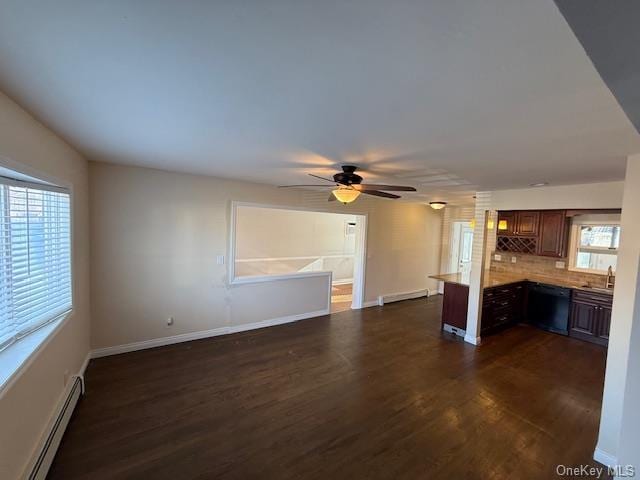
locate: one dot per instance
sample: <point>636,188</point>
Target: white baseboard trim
<point>397,297</point>
<point>344,281</point>
<point>187,337</point>
<point>605,458</point>
<point>472,340</point>
<point>371,303</point>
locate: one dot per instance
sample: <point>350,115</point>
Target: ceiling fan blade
<point>332,198</point>
<point>322,178</point>
<point>390,188</point>
<point>294,186</point>
<point>377,193</point>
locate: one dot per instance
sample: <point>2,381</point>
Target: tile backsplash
<point>543,266</point>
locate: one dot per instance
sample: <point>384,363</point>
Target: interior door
<point>466,248</point>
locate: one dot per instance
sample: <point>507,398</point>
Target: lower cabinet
<point>502,306</point>
<point>454,305</point>
<point>590,317</point>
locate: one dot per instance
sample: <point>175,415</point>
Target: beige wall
<point>269,232</point>
<point>28,404</point>
<point>156,235</point>
<point>276,241</point>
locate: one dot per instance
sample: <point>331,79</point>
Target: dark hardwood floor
<point>376,393</point>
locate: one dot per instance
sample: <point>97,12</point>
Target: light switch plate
<point>514,259</point>
<point>497,257</point>
<point>559,264</point>
<point>220,259</point>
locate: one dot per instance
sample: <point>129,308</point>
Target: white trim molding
<point>16,359</point>
<point>360,255</point>
<point>370,303</point>
<point>271,278</point>
<point>187,337</point>
<point>605,458</point>
<point>472,340</point>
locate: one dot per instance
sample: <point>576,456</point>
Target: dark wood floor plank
<point>376,393</point>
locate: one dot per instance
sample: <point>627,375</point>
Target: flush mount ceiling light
<point>345,194</point>
<point>539,184</point>
<point>437,205</point>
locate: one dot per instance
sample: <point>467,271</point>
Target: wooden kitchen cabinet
<point>510,219</point>
<point>534,232</point>
<point>502,306</point>
<point>554,233</point>
<point>527,223</point>
<point>590,317</point>
<point>604,324</point>
<point>454,305</point>
<point>519,222</point>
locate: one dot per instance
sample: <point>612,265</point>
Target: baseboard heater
<point>398,297</point>
<point>48,450</point>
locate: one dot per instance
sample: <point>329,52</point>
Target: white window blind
<point>35,257</point>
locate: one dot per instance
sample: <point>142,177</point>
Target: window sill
<point>18,356</point>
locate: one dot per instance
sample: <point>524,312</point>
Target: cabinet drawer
<point>592,298</point>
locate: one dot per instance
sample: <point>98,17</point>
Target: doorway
<point>461,247</point>
<point>275,243</point>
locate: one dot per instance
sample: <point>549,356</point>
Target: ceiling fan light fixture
<point>437,205</point>
<point>345,194</point>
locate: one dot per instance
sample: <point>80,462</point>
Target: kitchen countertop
<point>495,279</point>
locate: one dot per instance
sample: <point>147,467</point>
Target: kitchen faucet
<point>610,278</point>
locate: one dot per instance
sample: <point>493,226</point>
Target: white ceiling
<point>450,96</point>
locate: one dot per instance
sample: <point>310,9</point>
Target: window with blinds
<point>35,257</point>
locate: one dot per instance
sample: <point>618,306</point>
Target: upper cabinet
<point>554,233</point>
<point>507,223</point>
<point>523,223</point>
<point>536,232</point>
<point>527,223</point>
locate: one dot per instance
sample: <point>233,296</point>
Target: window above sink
<point>594,243</point>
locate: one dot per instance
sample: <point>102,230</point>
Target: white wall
<point>269,232</point>
<point>451,215</point>
<point>619,435</point>
<point>592,195</point>
<point>156,235</point>
<point>277,241</point>
<point>28,404</point>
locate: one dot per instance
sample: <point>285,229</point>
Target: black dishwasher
<point>548,307</point>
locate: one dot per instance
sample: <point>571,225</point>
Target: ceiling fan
<point>348,186</point>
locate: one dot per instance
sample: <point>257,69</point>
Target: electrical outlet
<point>497,257</point>
<point>65,378</point>
<point>220,259</point>
<point>514,259</point>
<point>169,321</point>
<point>559,264</point>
